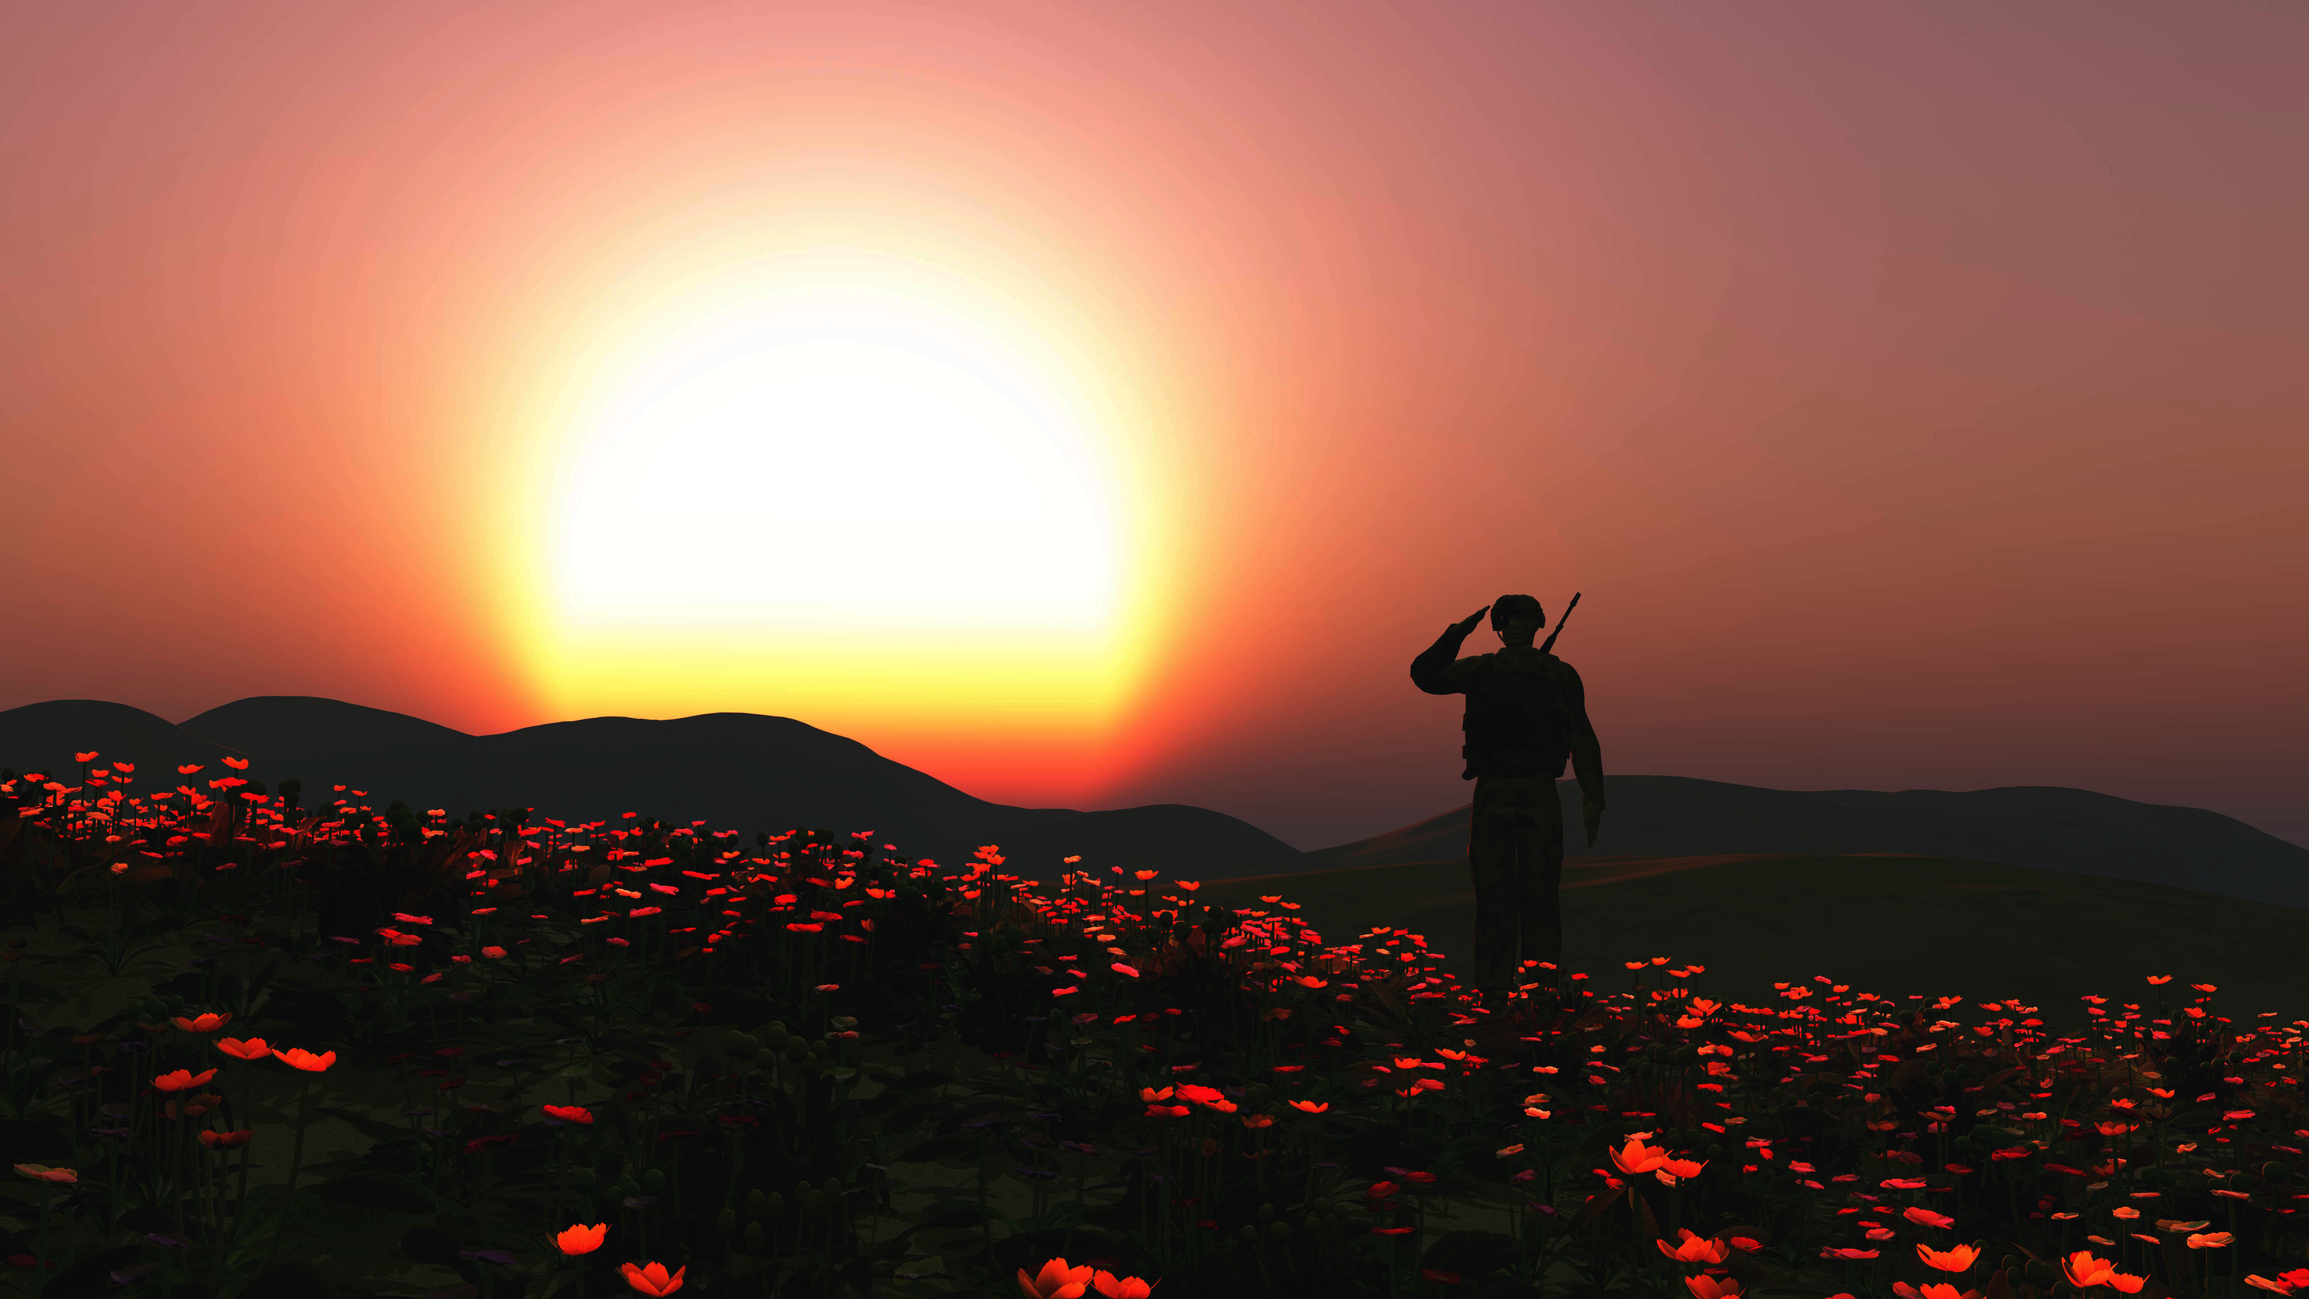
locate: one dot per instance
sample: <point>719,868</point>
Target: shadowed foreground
<point>1887,923</point>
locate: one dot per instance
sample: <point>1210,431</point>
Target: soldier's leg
<point>1490,845</point>
<point>1542,917</point>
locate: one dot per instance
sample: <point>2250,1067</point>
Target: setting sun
<point>835,457</point>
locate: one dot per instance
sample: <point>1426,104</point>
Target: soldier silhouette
<point>1526,715</point>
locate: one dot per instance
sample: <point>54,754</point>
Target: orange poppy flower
<point>208,1022</point>
<point>1956,1259</point>
<point>1638,1158</point>
<point>253,1049</point>
<point>1942,1290</point>
<point>651,1280</point>
<point>2082,1269</point>
<point>182,1080</point>
<point>1707,1287</point>
<point>43,1173</point>
<point>300,1058</point>
<point>2212,1240</point>
<point>579,1239</point>
<point>1311,1107</point>
<point>225,1140</point>
<point>1924,1217</point>
<point>570,1113</point>
<point>1056,1281</point>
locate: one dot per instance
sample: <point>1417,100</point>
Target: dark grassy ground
<point>1887,923</point>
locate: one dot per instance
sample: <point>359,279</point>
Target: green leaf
<point>357,1201</point>
<point>368,1127</point>
<point>931,1149</point>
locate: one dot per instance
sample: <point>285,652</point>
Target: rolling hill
<point>1893,924</point>
<point>748,771</point>
<point>740,771</point>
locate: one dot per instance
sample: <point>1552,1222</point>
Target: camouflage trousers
<point>1515,851</point>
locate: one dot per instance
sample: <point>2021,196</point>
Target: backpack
<point>1518,718</point>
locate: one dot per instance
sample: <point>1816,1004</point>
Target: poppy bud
<point>1250,1234</point>
<point>774,1033</point>
<point>756,1204</point>
<point>1266,1214</point>
<point>740,1046</point>
<point>774,1205</point>
<point>726,1222</point>
<point>814,1202</point>
<point>796,1050</point>
<point>2276,1172</point>
<point>753,1237</point>
<point>653,1181</point>
<point>1279,1232</point>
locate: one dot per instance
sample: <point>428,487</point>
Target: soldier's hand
<point>1468,624</point>
<point>1591,816</point>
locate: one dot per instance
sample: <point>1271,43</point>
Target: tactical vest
<point>1518,722</point>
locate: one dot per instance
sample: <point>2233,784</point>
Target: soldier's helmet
<point>1505,608</point>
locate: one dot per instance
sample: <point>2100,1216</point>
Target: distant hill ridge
<point>749,771</point>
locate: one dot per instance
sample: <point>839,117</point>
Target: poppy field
<point>257,1048</point>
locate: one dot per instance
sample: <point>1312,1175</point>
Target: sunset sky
<point>1094,405</point>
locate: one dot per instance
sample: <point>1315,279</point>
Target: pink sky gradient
<point>1915,392</point>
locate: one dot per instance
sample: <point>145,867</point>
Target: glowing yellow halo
<point>839,457</point>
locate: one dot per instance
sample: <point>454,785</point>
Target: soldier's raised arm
<point>1434,671</point>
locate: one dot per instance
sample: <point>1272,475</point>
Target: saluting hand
<point>1468,624</point>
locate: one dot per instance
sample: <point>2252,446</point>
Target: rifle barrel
<point>1559,622</point>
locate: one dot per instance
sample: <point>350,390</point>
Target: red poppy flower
<point>182,1080</point>
<point>570,1113</point>
<point>1924,1217</point>
<point>300,1058</point>
<point>576,1239</point>
<point>1056,1281</point>
<point>1694,1248</point>
<point>1113,1287</point>
<point>208,1022</point>
<point>1707,1287</point>
<point>651,1280</point>
<point>225,1140</point>
<point>43,1173</point>
<point>252,1049</point>
<point>1957,1259</point>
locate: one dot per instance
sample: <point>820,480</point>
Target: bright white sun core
<point>846,458</point>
